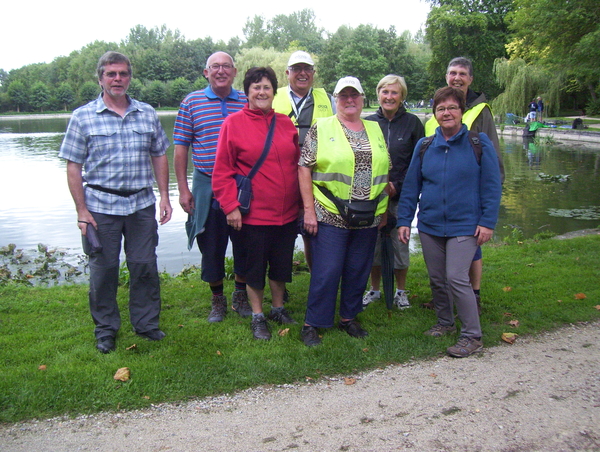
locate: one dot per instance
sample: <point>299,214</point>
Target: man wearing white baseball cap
<point>299,100</point>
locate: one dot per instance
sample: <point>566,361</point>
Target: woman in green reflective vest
<point>348,157</point>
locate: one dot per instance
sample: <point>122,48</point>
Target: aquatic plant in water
<point>583,213</point>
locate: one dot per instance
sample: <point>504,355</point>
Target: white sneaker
<point>371,296</point>
<point>401,299</point>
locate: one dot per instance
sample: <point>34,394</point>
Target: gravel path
<point>539,394</point>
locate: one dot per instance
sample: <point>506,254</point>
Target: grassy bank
<point>50,366</point>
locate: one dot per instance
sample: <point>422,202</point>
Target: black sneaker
<point>260,329</point>
<point>152,335</point>
<point>105,344</point>
<point>310,336</point>
<point>353,328</point>
<point>281,317</point>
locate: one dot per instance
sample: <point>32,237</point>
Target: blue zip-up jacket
<point>456,192</point>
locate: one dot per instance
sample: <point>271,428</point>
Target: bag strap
<point>265,151</point>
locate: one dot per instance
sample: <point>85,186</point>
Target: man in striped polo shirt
<point>198,124</point>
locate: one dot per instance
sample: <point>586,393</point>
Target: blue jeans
<point>339,255</point>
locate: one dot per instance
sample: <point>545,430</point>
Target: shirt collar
<point>233,94</point>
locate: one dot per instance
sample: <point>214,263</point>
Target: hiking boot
<point>281,317</point>
<point>465,346</point>
<point>478,300</point>
<point>219,309</point>
<point>239,303</point>
<point>401,299</point>
<point>371,296</point>
<point>310,336</point>
<point>353,328</point>
<point>260,329</point>
<point>438,330</point>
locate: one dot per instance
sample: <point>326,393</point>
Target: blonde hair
<point>392,79</point>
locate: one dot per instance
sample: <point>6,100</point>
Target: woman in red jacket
<point>268,230</point>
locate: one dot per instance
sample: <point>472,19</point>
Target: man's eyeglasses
<point>298,69</point>
<point>216,67</point>
<point>113,74</point>
<point>450,108</point>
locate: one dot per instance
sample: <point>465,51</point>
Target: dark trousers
<point>140,231</point>
<point>339,256</point>
<point>213,246</point>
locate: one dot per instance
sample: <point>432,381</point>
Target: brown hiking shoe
<point>219,309</point>
<point>239,303</point>
<point>260,329</point>
<point>438,330</point>
<point>465,346</point>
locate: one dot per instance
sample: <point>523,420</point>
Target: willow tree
<point>523,82</point>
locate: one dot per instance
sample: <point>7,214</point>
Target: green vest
<point>322,104</point>
<point>468,119</point>
<point>334,168</point>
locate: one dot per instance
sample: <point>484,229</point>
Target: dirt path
<point>539,394</point>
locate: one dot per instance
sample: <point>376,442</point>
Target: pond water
<point>548,188</point>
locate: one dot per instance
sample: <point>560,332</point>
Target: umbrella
<point>387,261</point>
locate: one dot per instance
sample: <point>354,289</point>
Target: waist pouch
<point>123,193</point>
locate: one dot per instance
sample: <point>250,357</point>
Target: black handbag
<point>244,183</point>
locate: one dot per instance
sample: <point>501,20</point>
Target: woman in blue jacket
<point>455,179</point>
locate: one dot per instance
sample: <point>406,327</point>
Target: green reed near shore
<point>50,366</point>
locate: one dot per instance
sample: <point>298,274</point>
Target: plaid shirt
<point>115,153</point>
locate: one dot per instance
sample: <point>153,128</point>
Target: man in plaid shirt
<point>113,145</point>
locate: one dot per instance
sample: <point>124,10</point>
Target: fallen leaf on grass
<point>219,353</point>
<point>180,325</point>
<point>597,307</point>
<point>507,289</point>
<point>131,347</point>
<point>509,337</point>
<point>283,332</point>
<point>146,397</point>
<point>514,323</point>
<point>349,381</point>
<point>507,314</point>
<point>42,367</point>
<point>365,350</point>
<point>531,265</point>
<point>122,374</point>
<point>580,296</point>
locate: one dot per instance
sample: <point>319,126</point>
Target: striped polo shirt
<point>199,121</point>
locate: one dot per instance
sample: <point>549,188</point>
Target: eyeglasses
<point>113,74</point>
<point>216,67</point>
<point>450,109</point>
<point>352,96</point>
<point>298,69</point>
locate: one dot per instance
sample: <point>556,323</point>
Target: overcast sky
<point>39,31</point>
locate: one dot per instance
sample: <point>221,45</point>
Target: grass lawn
<point>50,366</point>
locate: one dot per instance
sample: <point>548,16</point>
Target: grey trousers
<point>140,231</point>
<point>448,260</point>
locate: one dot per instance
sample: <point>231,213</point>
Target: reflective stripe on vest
<point>468,118</point>
<point>334,168</point>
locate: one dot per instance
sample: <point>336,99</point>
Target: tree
<point>39,96</point>
<point>255,32</point>
<point>257,56</point>
<point>136,88</point>
<point>65,95</point>
<point>178,89</point>
<point>475,29</point>
<point>88,92</point>
<point>563,36</point>
<point>155,93</point>
<point>17,93</point>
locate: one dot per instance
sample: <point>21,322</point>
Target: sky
<point>39,31</point>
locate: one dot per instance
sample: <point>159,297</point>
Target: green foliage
<point>17,93</point>
<point>198,359</point>
<point>178,89</point>
<point>39,96</point>
<point>470,28</point>
<point>65,95</point>
<point>593,107</point>
<point>88,92</point>
<point>155,93</point>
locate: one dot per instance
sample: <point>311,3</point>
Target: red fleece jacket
<point>275,189</point>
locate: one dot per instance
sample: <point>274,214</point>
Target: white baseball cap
<point>345,82</point>
<point>300,56</point>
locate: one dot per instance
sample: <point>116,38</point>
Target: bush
<point>593,107</point>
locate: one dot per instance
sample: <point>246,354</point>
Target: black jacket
<point>401,136</point>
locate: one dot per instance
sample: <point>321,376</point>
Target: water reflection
<point>37,206</point>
